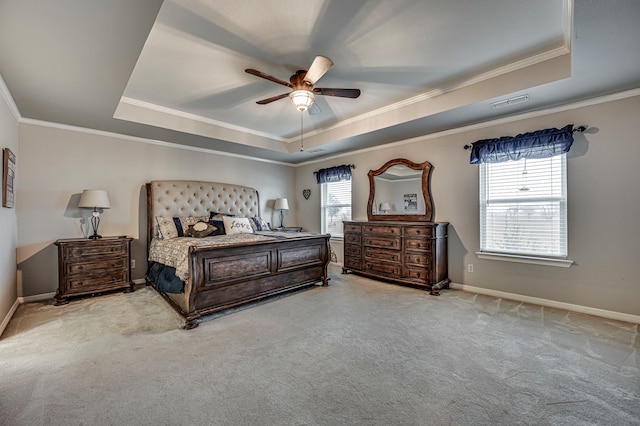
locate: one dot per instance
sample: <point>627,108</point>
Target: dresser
<point>412,253</point>
<point>93,266</point>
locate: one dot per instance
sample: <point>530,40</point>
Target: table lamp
<point>94,199</point>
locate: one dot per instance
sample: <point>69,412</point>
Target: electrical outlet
<point>133,264</point>
<point>470,267</point>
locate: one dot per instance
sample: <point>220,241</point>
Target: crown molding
<point>49,124</point>
<point>6,95</point>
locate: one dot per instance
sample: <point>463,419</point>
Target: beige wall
<point>604,202</point>
<point>56,164</point>
<point>603,208</point>
<point>8,228</point>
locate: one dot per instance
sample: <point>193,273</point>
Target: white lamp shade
<point>281,204</point>
<point>385,207</point>
<point>94,199</point>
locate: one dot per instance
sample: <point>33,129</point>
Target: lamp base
<point>95,222</point>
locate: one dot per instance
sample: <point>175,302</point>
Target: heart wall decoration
<point>306,193</point>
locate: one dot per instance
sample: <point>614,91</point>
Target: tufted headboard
<point>179,198</point>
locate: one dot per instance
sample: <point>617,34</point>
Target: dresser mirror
<point>399,190</point>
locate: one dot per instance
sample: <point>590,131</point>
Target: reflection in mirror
<point>399,190</point>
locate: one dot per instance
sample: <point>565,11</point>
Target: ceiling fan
<point>303,93</point>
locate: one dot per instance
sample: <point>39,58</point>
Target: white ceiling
<point>174,70</point>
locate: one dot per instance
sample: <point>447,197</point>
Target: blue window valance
<point>334,174</point>
<point>539,144</point>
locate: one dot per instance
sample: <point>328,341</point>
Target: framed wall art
<point>8,178</point>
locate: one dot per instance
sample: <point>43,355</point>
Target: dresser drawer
<point>349,227</point>
<point>382,242</point>
<point>418,231</point>
<point>100,267</point>
<point>352,250</point>
<point>94,250</point>
<point>373,255</point>
<point>419,275</point>
<point>390,269</point>
<point>350,238</point>
<point>417,259</point>
<point>417,244</point>
<point>354,262</point>
<point>383,230</point>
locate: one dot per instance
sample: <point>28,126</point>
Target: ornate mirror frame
<point>426,193</point>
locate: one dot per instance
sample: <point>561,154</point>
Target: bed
<point>218,272</point>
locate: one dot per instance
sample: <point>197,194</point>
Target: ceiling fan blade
<point>314,109</point>
<point>343,93</point>
<point>317,69</point>
<point>267,76</point>
<point>271,99</point>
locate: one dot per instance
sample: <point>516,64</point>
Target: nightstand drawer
<point>101,267</point>
<point>98,282</point>
<point>96,251</point>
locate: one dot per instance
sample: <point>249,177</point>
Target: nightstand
<point>93,266</point>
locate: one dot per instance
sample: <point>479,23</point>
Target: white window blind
<point>336,206</point>
<point>523,207</point>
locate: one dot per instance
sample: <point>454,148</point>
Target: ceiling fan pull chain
<point>301,132</point>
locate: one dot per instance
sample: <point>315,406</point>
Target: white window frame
<point>325,205</point>
<point>489,249</point>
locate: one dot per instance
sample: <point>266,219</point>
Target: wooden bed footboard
<point>226,277</point>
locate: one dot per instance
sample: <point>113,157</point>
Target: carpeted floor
<point>358,352</point>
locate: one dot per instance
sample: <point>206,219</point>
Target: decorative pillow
<point>237,225</point>
<point>200,230</point>
<point>166,228</point>
<point>259,224</point>
<point>183,223</point>
<point>215,219</point>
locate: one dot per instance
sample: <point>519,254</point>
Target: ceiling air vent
<point>510,101</point>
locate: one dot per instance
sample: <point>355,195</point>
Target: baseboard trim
<point>7,318</point>
<point>618,316</point>
<point>37,297</point>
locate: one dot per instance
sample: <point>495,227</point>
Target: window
<point>335,206</point>
<point>523,207</point>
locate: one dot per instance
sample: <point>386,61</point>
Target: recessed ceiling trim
<point>522,79</point>
<point>461,84</point>
<point>518,117</point>
<point>194,117</point>
<point>164,118</point>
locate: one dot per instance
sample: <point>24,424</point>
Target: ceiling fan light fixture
<point>302,99</point>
